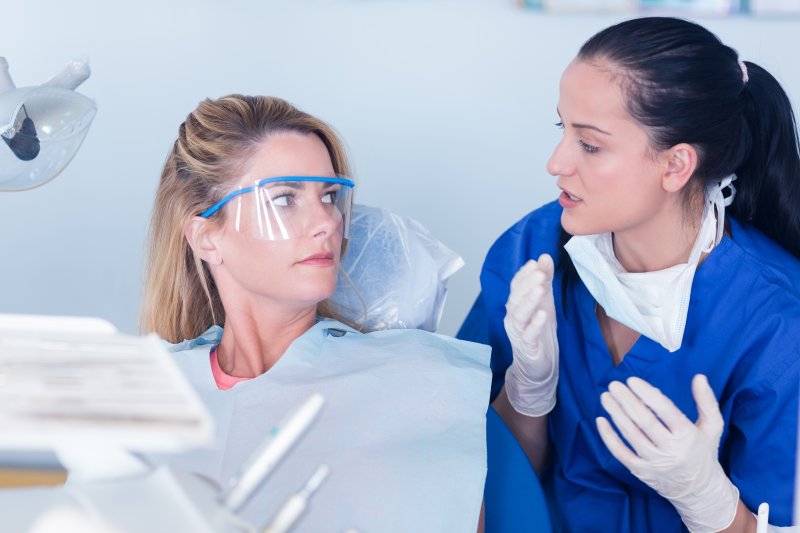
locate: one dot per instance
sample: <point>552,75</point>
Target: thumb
<point>709,418</point>
<point>545,263</point>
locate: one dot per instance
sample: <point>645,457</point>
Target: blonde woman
<point>250,220</point>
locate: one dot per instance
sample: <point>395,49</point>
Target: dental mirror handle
<point>256,470</point>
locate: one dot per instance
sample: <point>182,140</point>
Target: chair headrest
<point>398,268</point>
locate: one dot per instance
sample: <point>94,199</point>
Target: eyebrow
<point>578,125</point>
<point>290,184</point>
<point>297,185</point>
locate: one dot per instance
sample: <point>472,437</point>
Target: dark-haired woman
<point>669,314</point>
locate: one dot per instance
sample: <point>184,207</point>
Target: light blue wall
<point>447,107</point>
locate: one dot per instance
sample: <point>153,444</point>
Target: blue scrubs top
<point>742,331</point>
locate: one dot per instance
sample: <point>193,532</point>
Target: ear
<point>202,236</point>
<point>681,162</point>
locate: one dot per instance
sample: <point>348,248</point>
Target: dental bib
<point>655,304</point>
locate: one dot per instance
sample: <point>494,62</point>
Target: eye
<point>284,200</point>
<point>560,125</point>
<point>588,147</point>
<point>330,197</point>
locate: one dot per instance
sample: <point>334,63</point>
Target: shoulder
<point>209,337</point>
<point>542,224</point>
<point>536,233</point>
<point>773,264</point>
<point>191,357</point>
<point>410,343</point>
<point>757,284</point>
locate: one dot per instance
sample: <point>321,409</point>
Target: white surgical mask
<point>654,304</point>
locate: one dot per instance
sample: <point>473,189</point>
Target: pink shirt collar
<point>223,380</point>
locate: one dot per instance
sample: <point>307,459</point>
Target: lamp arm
<point>73,74</point>
<point>6,83</point>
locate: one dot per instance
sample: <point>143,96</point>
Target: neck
<point>253,340</point>
<point>664,240</point>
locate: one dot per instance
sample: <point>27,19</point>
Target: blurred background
<point>447,107</point>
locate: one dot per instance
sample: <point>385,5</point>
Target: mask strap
<point>718,202</point>
<point>711,231</point>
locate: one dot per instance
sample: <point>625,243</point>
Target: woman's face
<point>296,272</point>
<point>610,179</point>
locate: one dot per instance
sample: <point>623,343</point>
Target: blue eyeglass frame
<point>216,207</point>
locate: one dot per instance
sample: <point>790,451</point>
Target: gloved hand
<point>530,324</point>
<point>673,456</point>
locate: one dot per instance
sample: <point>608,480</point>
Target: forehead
<point>289,154</point>
<point>591,92</point>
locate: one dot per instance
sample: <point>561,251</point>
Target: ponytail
<point>768,184</point>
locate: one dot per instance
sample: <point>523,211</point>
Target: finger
<point>512,330</point>
<point>538,294</point>
<point>545,264</point>
<point>529,295</point>
<point>519,313</point>
<point>638,411</point>
<point>531,273</point>
<point>668,412</point>
<point>524,273</point>
<point>525,304</point>
<point>629,429</point>
<point>532,332</point>
<point>622,453</point>
<point>709,419</point>
<point>535,296</point>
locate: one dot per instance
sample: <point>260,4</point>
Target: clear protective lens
<point>287,207</point>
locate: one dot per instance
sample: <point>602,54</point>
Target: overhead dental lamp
<point>42,126</point>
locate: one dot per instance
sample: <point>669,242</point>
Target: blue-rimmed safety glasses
<point>286,207</point>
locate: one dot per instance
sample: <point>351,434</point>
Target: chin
<point>581,226</point>
<point>573,226</point>
<point>317,291</point>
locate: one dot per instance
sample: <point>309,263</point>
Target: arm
<point>743,522</point>
<point>482,519</point>
<point>530,385</point>
<point>530,431</point>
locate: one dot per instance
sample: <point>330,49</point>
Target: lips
<point>570,195</point>
<point>569,200</point>
<point>320,259</point>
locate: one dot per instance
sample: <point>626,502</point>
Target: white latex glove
<point>530,324</point>
<point>675,457</point>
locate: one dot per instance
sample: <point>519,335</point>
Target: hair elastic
<point>743,67</point>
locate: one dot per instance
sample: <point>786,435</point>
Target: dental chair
<point>401,272</point>
<point>513,498</point>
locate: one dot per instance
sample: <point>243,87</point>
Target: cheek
<point>607,198</point>
<point>336,246</point>
<point>261,268</point>
<point>615,183</point>
<point>251,258</point>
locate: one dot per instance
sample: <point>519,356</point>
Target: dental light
<point>42,126</point>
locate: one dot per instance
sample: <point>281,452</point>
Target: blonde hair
<point>214,144</point>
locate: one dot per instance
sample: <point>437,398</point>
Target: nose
<point>324,220</point>
<point>560,162</point>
